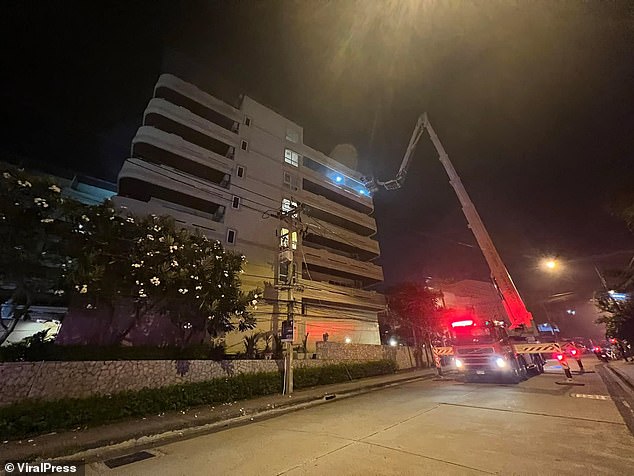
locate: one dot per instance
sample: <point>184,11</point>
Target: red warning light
<point>573,351</point>
<point>560,357</point>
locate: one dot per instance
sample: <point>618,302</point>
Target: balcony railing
<point>342,264</point>
<point>330,207</point>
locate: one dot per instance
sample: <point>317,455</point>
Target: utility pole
<point>291,219</point>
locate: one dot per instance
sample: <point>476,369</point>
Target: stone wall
<point>403,355</point>
<point>54,380</point>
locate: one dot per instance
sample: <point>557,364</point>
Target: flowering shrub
<point>100,256</point>
<point>173,272</point>
<point>32,234</point>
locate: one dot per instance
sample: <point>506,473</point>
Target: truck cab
<point>484,348</point>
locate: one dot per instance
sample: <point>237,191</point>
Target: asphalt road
<point>425,427</point>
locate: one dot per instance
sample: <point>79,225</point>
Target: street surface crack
<point>533,413</point>
<point>438,460</point>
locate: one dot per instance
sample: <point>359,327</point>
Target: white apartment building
<point>226,171</point>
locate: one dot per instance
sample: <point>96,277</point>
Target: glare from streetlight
<point>550,264</point>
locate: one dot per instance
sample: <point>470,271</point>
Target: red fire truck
<point>485,348</point>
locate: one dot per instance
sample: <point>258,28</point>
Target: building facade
<point>231,172</point>
<point>480,297</point>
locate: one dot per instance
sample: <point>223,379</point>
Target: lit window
<point>288,205</point>
<point>284,236</point>
<point>292,135</point>
<point>291,157</point>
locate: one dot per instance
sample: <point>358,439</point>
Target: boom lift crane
<point>518,315</point>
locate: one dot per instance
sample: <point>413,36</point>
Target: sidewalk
<point>625,370</point>
<point>136,434</point>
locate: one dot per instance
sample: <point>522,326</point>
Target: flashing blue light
<point>339,178</point>
<point>362,192</point>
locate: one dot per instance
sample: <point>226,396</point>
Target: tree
<point>413,311</point>
<point>33,233</point>
<point>164,270</point>
<point>618,316</point>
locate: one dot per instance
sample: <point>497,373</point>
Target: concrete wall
<point>335,351</point>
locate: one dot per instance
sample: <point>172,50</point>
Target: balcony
<point>144,181</point>
<point>324,209</point>
<point>183,216</point>
<point>178,120</point>
<point>336,238</point>
<point>359,298</point>
<point>156,145</point>
<point>346,268</point>
<point>168,82</point>
<point>321,185</point>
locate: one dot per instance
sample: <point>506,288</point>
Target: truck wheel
<point>523,368</point>
<point>515,376</point>
<point>540,364</point>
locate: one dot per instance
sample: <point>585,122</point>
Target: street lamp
<point>550,264</point>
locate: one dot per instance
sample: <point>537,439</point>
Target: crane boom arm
<point>513,303</point>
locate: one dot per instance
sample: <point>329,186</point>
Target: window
<point>235,203</point>
<point>231,236</point>
<point>291,157</point>
<point>247,121</point>
<point>288,205</point>
<point>244,145</point>
<point>240,171</point>
<point>292,135</point>
<point>284,239</point>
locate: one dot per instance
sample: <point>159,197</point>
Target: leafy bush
<point>312,376</point>
<point>36,416</point>
<point>46,350</point>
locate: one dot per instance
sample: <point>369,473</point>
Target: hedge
<point>38,416</point>
<point>32,417</point>
<point>323,375</point>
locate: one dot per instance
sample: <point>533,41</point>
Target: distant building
<point>227,171</point>
<point>480,297</point>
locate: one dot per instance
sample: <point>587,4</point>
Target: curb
<point>94,450</point>
<point>622,376</point>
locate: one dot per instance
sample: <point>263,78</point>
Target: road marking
<point>592,397</point>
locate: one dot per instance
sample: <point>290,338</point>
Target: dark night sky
<point>534,102</point>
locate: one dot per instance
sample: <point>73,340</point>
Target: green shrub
<point>326,374</point>
<point>36,416</point>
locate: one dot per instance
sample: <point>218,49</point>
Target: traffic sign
<point>287,331</point>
